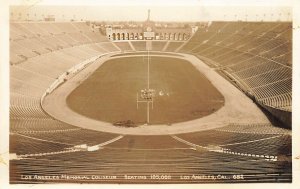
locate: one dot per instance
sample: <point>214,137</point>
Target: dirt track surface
<point>238,108</point>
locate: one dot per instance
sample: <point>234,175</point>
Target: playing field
<point>182,93</point>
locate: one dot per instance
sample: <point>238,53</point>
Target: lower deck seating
<point>109,47</point>
<point>158,45</point>
<point>174,162</point>
<point>75,137</point>
<point>124,46</point>
<point>139,45</point>
<point>173,46</point>
<point>21,145</point>
<point>37,124</point>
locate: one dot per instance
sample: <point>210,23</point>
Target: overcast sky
<point>161,10</point>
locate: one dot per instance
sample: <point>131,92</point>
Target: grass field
<point>182,93</point>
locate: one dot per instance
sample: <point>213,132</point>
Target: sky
<point>151,2</point>
<point>163,10</point>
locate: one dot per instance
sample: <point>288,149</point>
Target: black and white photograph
<point>150,92</point>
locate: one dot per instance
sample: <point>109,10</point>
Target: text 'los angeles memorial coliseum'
<point>150,104</point>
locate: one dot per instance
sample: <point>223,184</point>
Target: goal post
<point>146,96</point>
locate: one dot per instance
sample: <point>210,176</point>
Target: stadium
<point>207,103</point>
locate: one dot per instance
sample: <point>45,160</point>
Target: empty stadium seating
<point>32,39</point>
<point>124,46</point>
<point>139,45</point>
<point>158,45</point>
<point>257,54</point>
<point>173,46</point>
<point>174,161</point>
